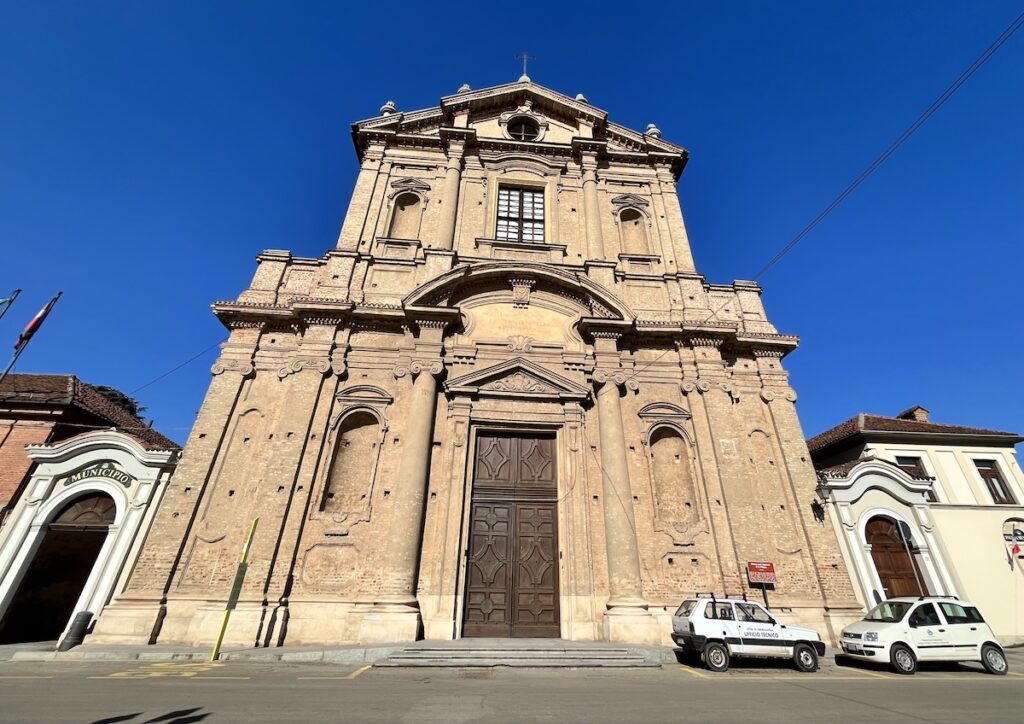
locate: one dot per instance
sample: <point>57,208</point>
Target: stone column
<point>627,618</point>
<point>591,212</point>
<point>619,522</point>
<point>396,615</point>
<point>450,196</point>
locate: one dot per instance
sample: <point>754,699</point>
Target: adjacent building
<point>922,508</point>
<point>81,479</point>
<point>504,404</point>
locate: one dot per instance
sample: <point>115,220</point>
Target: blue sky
<point>150,150</point>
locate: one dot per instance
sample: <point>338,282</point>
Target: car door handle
<point>974,628</point>
<point>942,630</point>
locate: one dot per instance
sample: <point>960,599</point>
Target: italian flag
<point>35,324</point>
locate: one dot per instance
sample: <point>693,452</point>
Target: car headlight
<point>871,636</point>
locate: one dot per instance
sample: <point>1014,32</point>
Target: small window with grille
<point>520,214</point>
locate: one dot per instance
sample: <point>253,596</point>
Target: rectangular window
<point>997,486</point>
<point>520,214</point>
<point>721,611</point>
<point>914,467</point>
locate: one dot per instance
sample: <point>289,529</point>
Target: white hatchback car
<point>718,628</point>
<point>906,630</point>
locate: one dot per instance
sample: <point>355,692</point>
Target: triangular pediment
<point>517,377</point>
<point>623,200</point>
<point>510,99</point>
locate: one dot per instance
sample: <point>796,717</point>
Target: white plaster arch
<point>44,497</point>
<point>933,566</point>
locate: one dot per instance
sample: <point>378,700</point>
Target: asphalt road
<point>170,693</point>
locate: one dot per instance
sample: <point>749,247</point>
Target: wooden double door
<point>512,561</point>
<point>897,569</point>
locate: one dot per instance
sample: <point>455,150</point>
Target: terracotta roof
<point>842,470</point>
<point>71,391</point>
<point>866,422</point>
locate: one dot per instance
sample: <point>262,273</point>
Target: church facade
<point>506,404</point>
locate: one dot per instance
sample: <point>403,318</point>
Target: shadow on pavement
<point>181,716</point>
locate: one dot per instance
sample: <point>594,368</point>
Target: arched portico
<point>99,466</point>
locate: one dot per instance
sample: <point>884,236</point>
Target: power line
<point>900,140</point>
<point>175,369</point>
<point>903,137</point>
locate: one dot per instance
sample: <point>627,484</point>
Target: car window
<point>719,610</point>
<point>752,613</point>
<point>888,612</point>
<point>955,613</point>
<point>686,607</point>
<point>924,615</point>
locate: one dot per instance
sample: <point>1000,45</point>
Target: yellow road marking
<point>694,672</point>
<point>174,669</point>
<point>875,674</point>
<point>347,677</point>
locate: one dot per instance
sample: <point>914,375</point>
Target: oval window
<point>523,129</point>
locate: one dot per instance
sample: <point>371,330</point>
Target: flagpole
<point>9,301</point>
<point>30,330</point>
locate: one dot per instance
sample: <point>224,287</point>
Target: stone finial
<point>581,98</point>
<point>464,88</point>
<point>524,78</point>
<point>653,131</point>
<point>388,108</point>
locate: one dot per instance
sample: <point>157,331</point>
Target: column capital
<point>413,368</point>
<point>618,378</point>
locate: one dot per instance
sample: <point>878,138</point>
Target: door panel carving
<point>512,561</point>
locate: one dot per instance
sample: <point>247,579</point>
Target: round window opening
<point>523,129</point>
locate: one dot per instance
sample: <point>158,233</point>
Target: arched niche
<point>672,475</point>
<point>356,447</point>
<point>406,213</point>
<point>633,231</point>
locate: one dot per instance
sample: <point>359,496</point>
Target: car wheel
<point>902,659</point>
<point>805,657</point>
<point>716,657</point>
<point>993,660</point>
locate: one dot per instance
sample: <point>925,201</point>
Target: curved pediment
<point>517,377</point>
<point>595,300</point>
<point>663,411</point>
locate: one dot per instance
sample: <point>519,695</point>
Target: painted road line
<point>25,677</point>
<point>220,678</point>
<point>873,674</point>
<point>694,672</point>
<point>347,677</point>
<point>163,670</point>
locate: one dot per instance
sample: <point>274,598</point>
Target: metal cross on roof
<point>524,57</point>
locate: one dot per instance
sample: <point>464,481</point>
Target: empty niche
<point>673,478</point>
<point>352,463</point>
<point>633,228</point>
<point>405,217</point>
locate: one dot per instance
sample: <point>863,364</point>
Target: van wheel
<point>805,657</point>
<point>902,659</point>
<point>993,660</point>
<point>716,657</point>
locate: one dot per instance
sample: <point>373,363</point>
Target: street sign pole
<point>236,589</point>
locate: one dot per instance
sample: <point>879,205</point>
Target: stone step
<point>474,662</point>
<point>502,653</point>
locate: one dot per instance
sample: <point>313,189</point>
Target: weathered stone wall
<point>344,408</point>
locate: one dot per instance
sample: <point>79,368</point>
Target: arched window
<point>355,454</point>
<point>633,228</point>
<point>673,480</point>
<point>405,219</point>
<point>895,557</point>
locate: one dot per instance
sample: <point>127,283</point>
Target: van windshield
<point>889,611</point>
<point>686,607</point>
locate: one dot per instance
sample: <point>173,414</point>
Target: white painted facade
<point>48,492</point>
<point>958,540</point>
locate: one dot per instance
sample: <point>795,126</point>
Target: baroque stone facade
<point>505,403</point>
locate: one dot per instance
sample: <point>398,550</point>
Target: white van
<point>903,631</point>
<point>718,628</point>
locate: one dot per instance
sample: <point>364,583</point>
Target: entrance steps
<point>519,653</point>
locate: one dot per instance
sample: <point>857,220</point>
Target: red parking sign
<point>761,572</point>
